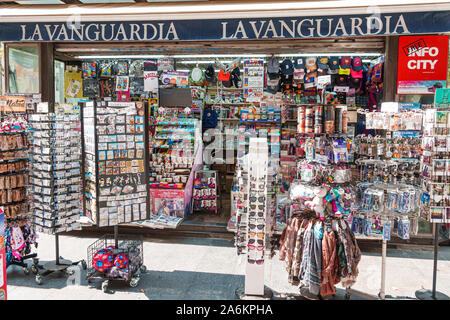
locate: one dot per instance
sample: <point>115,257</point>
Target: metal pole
<point>424,294</point>
<point>57,248</point>
<point>383,270</point>
<point>116,235</point>
<point>436,249</point>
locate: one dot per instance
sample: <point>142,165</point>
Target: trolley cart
<point>123,244</point>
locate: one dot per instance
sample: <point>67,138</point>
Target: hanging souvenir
<point>90,88</point>
<point>137,68</point>
<point>89,70</point>
<point>196,76</point>
<point>122,68</point>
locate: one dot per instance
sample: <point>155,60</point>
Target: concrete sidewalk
<point>198,268</point>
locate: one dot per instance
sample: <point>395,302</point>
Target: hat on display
<point>346,63</point>
<point>355,82</point>
<point>344,71</point>
<point>225,78</point>
<point>357,64</point>
<point>333,63</point>
<point>273,82</point>
<point>209,118</point>
<point>210,73</point>
<point>299,63</point>
<point>356,74</point>
<point>273,66</point>
<point>286,80</point>
<point>322,63</point>
<point>287,67</point>
<point>311,64</point>
<point>236,77</point>
<point>299,75</point>
<point>342,80</point>
<point>196,75</point>
<point>273,85</point>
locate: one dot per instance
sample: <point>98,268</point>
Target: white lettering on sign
<point>307,27</point>
<point>423,64</point>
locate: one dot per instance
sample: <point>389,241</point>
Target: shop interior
<point>226,100</point>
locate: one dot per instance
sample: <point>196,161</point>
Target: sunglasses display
<point>260,206</point>
<point>254,213</point>
<point>258,241</point>
<point>252,261</point>
<point>253,247</point>
<point>254,234</point>
<point>256,226</point>
<point>257,220</point>
<point>260,199</point>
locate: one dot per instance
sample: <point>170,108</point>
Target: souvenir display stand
<point>435,167</point>
<point>176,154</point>
<point>116,186</point>
<point>115,162</point>
<point>254,221</point>
<point>19,233</point>
<point>388,193</point>
<point>206,195</point>
<point>55,180</point>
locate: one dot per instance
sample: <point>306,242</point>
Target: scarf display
<point>319,253</point>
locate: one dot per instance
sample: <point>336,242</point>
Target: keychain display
<point>408,120</point>
<point>381,198</point>
<point>388,147</point>
<point>387,171</point>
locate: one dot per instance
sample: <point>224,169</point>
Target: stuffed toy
<point>317,203</point>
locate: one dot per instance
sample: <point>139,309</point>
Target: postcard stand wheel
<point>26,271</point>
<point>58,265</point>
<point>105,285</point>
<point>134,282</point>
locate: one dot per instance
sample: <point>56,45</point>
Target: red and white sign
<point>422,64</point>
<point>2,256</point>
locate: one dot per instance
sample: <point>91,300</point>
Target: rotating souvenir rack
<point>435,167</point>
<point>55,180</point>
<point>116,166</point>
<point>242,195</point>
<point>20,235</point>
<point>175,156</point>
